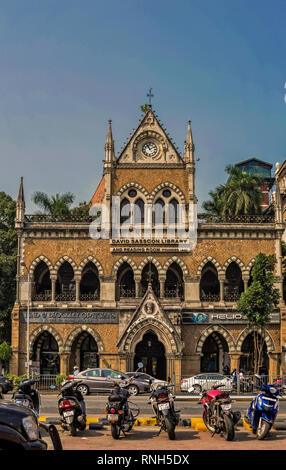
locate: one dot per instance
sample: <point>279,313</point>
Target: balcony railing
<point>67,297</point>
<point>89,297</point>
<point>234,297</point>
<point>238,219</point>
<point>210,297</point>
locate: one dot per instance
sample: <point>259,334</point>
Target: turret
<point>189,160</point>
<point>20,206</point>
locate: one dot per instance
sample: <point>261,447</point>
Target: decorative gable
<point>149,143</point>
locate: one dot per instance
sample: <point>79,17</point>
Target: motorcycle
<point>118,411</point>
<point>218,416</point>
<point>162,401</point>
<point>71,408</point>
<point>263,410</point>
<point>28,396</point>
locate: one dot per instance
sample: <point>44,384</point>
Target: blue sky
<point>69,66</point>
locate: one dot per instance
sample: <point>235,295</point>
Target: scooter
<point>28,396</point>
<point>218,416</point>
<point>118,412</point>
<point>72,408</point>
<point>263,410</point>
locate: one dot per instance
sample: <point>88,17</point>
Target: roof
<point>253,159</point>
<point>98,195</point>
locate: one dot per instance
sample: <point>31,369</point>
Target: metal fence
<point>44,381</point>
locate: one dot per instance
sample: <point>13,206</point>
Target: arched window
<point>125,285</point>
<point>233,284</point>
<point>158,214</point>
<point>125,212</point>
<point>42,283</point>
<point>174,284</point>
<point>46,352</point>
<point>89,284</point>
<point>138,215</point>
<point>65,284</point>
<point>209,284</point>
<point>173,208</point>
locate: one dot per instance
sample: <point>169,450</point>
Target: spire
<point>109,145</point>
<point>189,145</point>
<point>21,192</point>
<point>20,205</point>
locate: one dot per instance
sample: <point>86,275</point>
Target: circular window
<point>132,193</point>
<point>167,193</point>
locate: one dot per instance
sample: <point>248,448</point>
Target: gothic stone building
<point>112,302</point>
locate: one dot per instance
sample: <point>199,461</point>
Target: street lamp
<point>28,322</point>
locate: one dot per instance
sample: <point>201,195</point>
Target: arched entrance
<point>84,352</point>
<point>151,352</point>
<point>246,362</point>
<point>46,352</point>
<point>214,354</point>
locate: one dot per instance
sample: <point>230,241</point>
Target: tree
<point>82,210</point>
<point>5,353</point>
<point>144,108</point>
<point>8,263</point>
<point>258,301</point>
<point>241,195</point>
<point>55,205</point>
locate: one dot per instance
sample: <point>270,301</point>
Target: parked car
<point>146,379</point>
<point>20,429</point>
<point>206,381</point>
<point>6,384</point>
<point>102,380</point>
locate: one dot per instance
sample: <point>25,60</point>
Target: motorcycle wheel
<point>115,431</point>
<point>170,429</point>
<point>263,429</point>
<point>72,430</point>
<point>228,432</point>
<point>206,423</point>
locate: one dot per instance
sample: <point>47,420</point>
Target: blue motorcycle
<point>263,410</point>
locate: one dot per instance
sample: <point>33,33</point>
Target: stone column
<point>53,292</point>
<point>77,288</point>
<point>274,365</point>
<point>64,359</point>
<point>221,279</point>
<point>192,289</point>
<point>137,286</point>
<point>234,361</point>
<point>245,279</point>
<point>162,286</point>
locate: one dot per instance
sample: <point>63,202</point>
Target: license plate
<point>164,406</point>
<point>112,417</point>
<point>68,413</point>
<point>226,407</point>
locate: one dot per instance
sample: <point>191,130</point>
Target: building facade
<point>118,300</point>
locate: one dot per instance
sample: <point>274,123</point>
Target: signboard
<point>70,316</point>
<point>221,317</point>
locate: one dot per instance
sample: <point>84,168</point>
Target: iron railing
<point>238,219</point>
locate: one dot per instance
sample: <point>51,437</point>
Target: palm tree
<point>241,195</point>
<point>55,205</point>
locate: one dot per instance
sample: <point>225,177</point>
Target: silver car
<point>205,381</point>
<point>102,380</point>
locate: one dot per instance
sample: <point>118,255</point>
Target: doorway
<point>151,352</point>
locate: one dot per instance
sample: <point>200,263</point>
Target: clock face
<point>149,149</point>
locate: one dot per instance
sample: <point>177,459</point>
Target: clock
<point>149,149</point>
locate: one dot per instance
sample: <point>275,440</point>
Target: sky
<point>68,66</point>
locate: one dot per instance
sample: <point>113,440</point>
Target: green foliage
<point>5,351</point>
<point>55,205</point>
<point>60,379</point>
<point>16,379</point>
<point>258,301</point>
<point>82,210</point>
<point>8,263</point>
<point>241,195</point>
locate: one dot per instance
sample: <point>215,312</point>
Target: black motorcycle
<point>162,401</point>
<point>118,411</point>
<point>27,395</point>
<point>72,408</point>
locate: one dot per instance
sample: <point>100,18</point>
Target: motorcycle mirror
<point>140,365</point>
<point>258,376</point>
<point>52,387</point>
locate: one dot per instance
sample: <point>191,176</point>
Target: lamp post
<point>28,322</point>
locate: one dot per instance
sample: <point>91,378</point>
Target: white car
<point>205,381</point>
